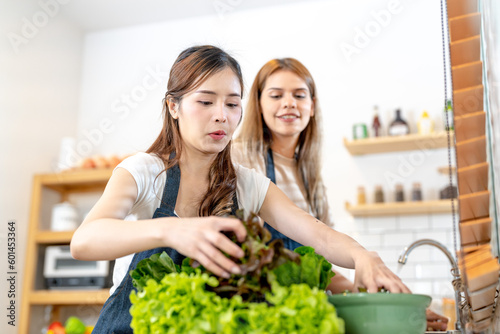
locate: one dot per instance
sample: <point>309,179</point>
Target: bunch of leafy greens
<point>180,303</point>
<point>179,299</point>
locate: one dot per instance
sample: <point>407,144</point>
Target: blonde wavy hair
<point>255,137</point>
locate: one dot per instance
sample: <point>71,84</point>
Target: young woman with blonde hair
<point>280,136</point>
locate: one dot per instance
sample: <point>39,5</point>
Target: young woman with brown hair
<point>186,182</point>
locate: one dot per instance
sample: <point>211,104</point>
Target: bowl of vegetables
<point>382,313</point>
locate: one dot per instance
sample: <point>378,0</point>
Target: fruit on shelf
<point>56,328</point>
<point>74,326</point>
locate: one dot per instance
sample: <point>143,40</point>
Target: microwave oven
<point>62,271</point>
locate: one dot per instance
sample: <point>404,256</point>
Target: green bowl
<point>382,313</point>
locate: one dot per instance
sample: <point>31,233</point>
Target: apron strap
<point>171,189</point>
<point>270,173</point>
<point>275,234</point>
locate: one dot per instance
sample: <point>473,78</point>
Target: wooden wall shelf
<point>445,170</point>
<point>76,181</point>
<point>409,142</point>
<point>69,297</point>
<point>400,208</point>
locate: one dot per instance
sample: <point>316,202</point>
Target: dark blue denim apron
<point>275,234</point>
<point>115,315</point>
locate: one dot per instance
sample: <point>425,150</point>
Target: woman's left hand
<point>436,322</point>
<point>372,274</point>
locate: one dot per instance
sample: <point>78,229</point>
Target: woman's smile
<point>288,118</point>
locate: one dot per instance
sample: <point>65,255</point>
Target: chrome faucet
<point>459,324</point>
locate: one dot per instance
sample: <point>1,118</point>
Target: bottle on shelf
<point>379,194</point>
<point>376,125</point>
<point>416,193</point>
<point>361,195</point>
<point>448,116</point>
<point>399,127</point>
<point>400,195</point>
<point>425,124</point>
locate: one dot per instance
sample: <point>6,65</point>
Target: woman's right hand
<point>372,274</point>
<point>202,239</point>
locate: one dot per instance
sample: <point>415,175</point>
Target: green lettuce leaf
<point>313,270</point>
<point>154,267</point>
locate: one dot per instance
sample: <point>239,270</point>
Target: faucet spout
<point>459,324</point>
<point>404,256</point>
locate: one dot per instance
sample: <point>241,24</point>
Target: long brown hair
<point>256,137</point>
<point>191,68</point>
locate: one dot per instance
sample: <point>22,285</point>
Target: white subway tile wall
<point>399,239</point>
<point>427,270</point>
<point>381,224</point>
<point>441,221</point>
<point>419,222</point>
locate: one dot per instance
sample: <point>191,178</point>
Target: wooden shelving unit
<point>409,142</point>
<point>66,183</point>
<point>399,208</point>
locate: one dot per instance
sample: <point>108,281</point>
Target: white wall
<point>39,91</point>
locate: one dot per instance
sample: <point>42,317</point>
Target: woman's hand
<point>436,322</point>
<point>372,274</point>
<point>202,239</point>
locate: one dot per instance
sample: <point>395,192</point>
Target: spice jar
<point>361,195</point>
<point>416,193</point>
<point>379,194</point>
<point>400,195</point>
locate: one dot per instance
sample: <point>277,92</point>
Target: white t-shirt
<point>288,178</point>
<point>147,170</point>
